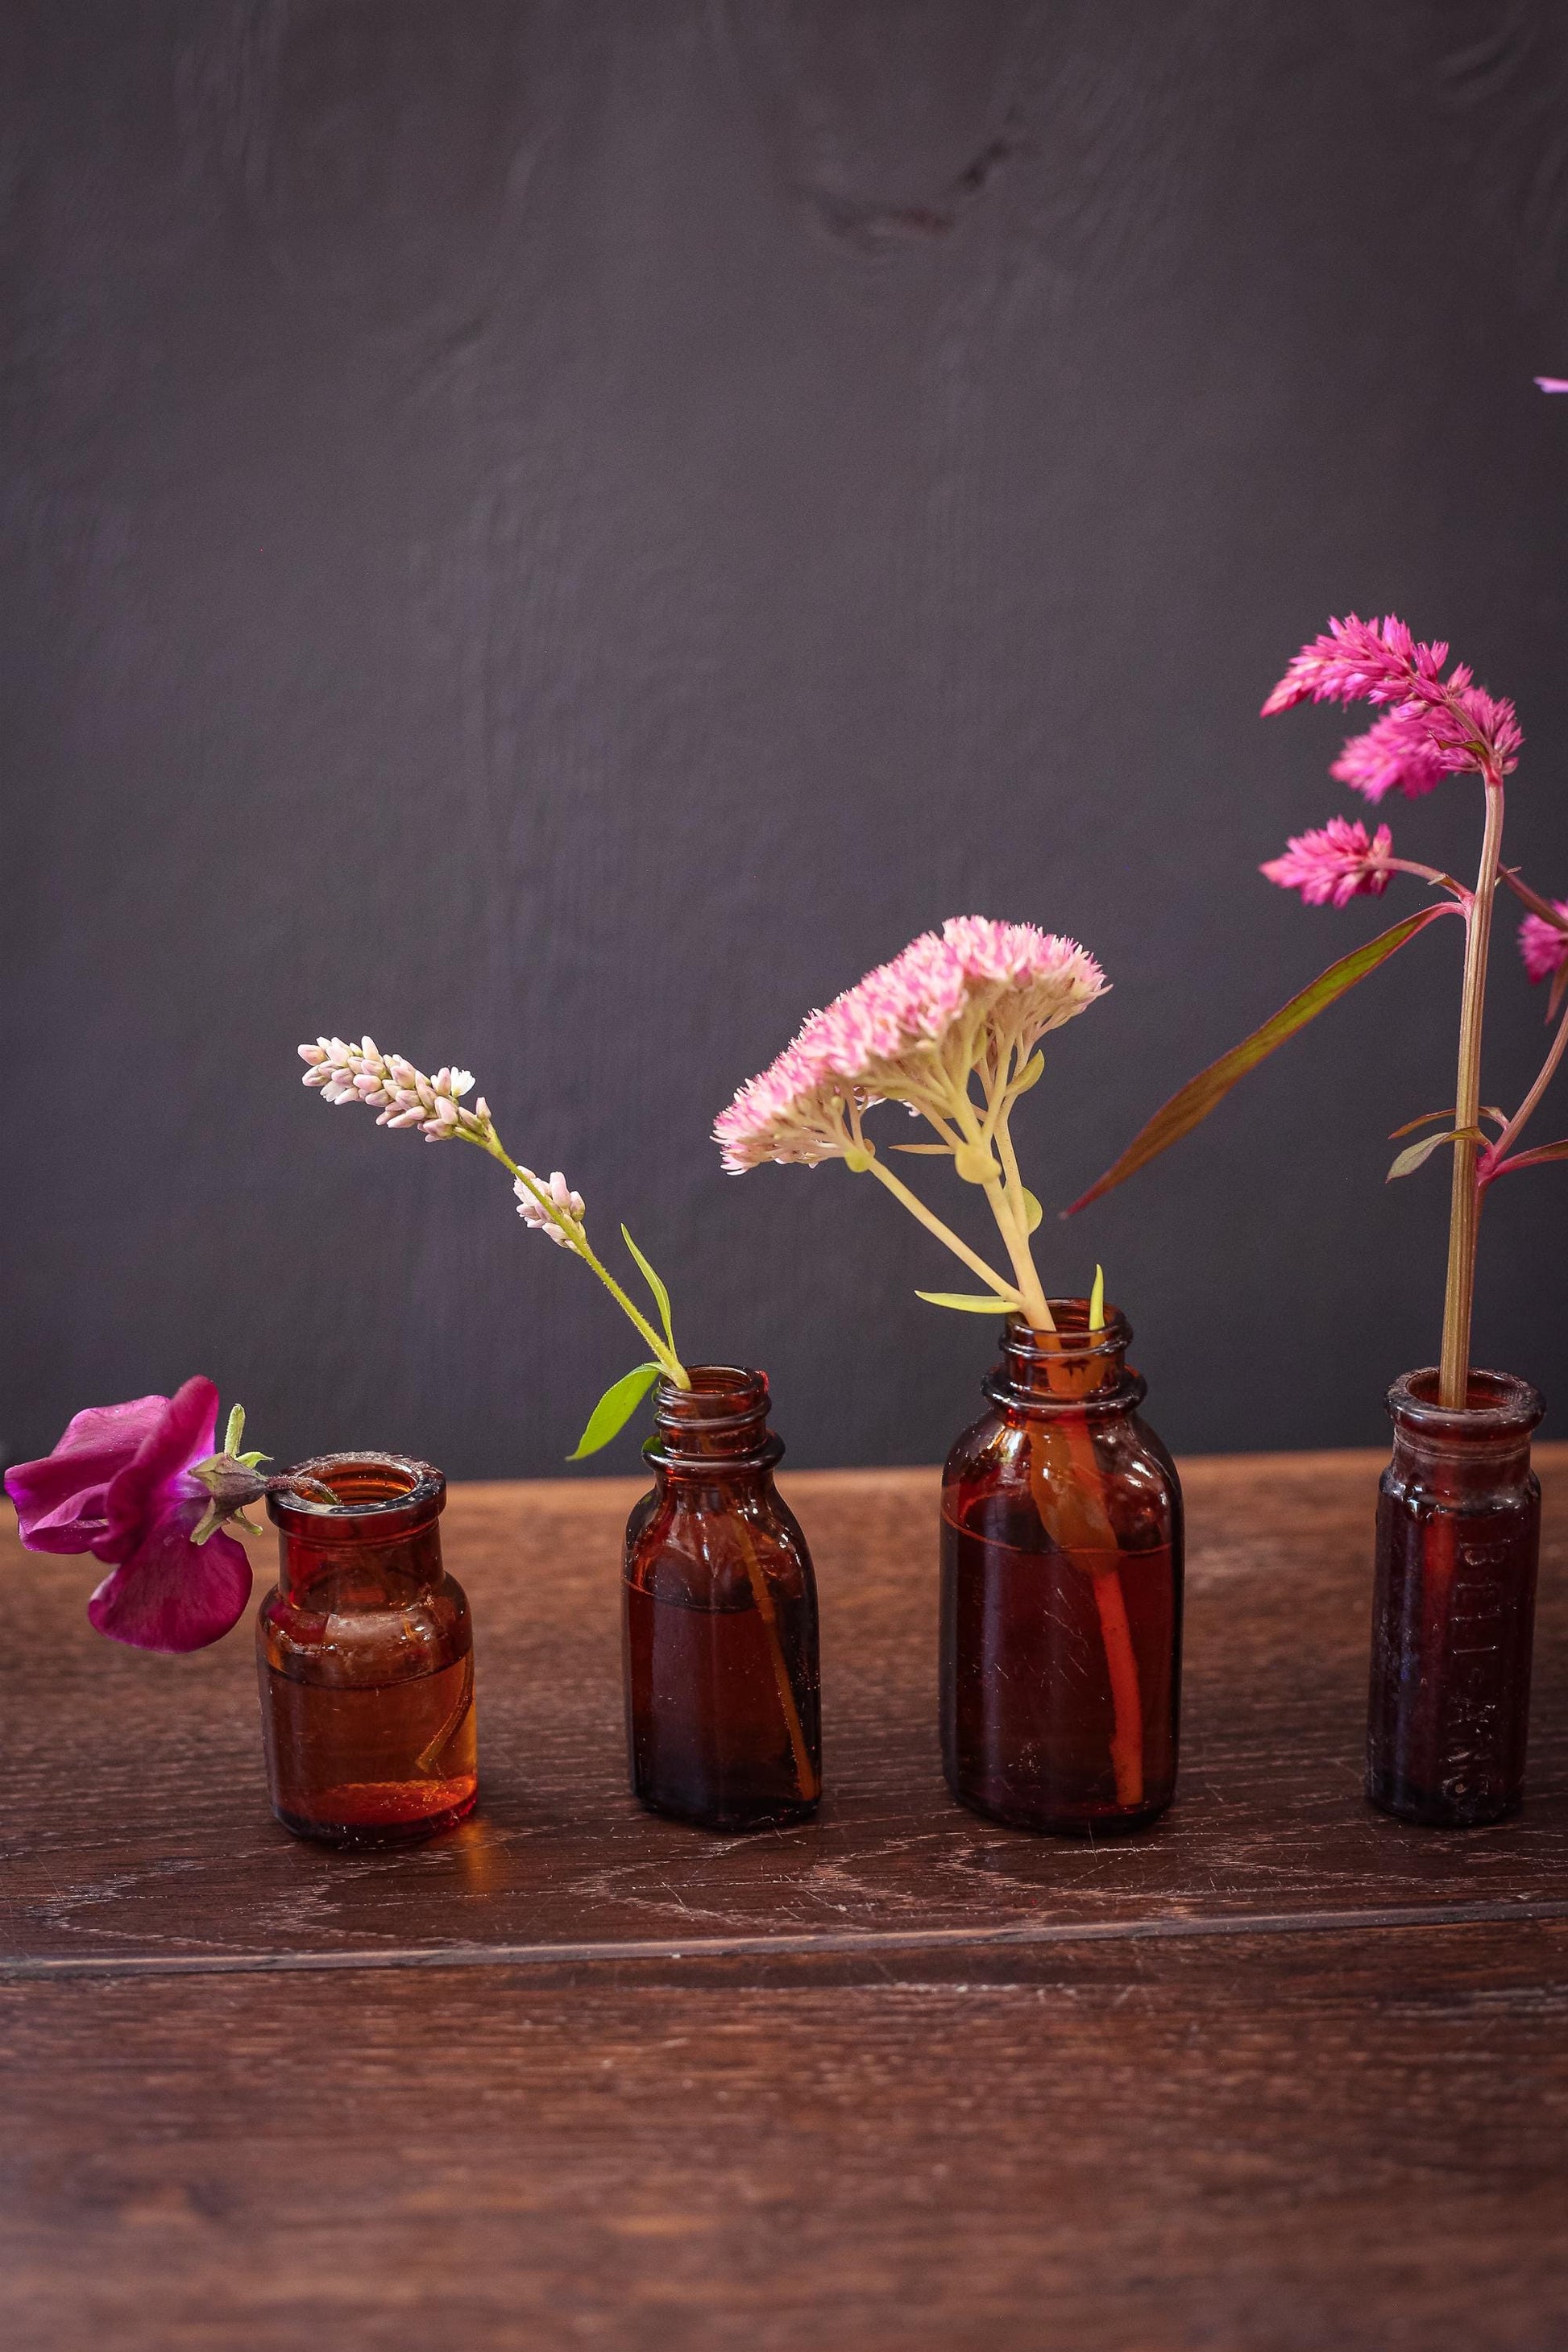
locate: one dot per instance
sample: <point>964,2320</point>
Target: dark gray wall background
<point>561,533</point>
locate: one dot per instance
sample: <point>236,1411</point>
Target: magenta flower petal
<point>1553,382</point>
<point>62,1501</point>
<point>1543,947</point>
<point>168,1595</point>
<point>185,1431</point>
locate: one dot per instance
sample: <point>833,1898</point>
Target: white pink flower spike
<point>387,1083</point>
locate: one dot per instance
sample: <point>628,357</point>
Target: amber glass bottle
<point>1453,1622</point>
<point>366,1653</point>
<point>1061,1590</point>
<point>722,1710</point>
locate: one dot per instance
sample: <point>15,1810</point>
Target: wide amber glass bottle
<point>365,1654</point>
<point>1061,1589</point>
<point>1453,1622</point>
<point>723,1719</point>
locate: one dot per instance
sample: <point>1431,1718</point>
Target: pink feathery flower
<point>885,1039</point>
<point>1396,753</point>
<point>1543,947</point>
<point>1434,726</point>
<point>1359,661</point>
<point>1335,863</point>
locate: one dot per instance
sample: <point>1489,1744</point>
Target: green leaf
<point>1414,1154</point>
<point>858,1157</point>
<point>1489,1110</point>
<point>1096,1301</point>
<point>967,1303</point>
<point>615,1409</point>
<point>236,1432</point>
<point>1033,1212</point>
<point>1030,1074</point>
<point>1192,1104</point>
<point>654,1284</point>
<point>926,1150</point>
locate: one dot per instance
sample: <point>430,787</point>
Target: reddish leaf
<point>1536,1159</point>
<point>1415,1154</point>
<point>1188,1108</point>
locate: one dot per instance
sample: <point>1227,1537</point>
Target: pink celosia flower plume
<point>1335,863</point>
<point>1543,947</point>
<point>1433,727</point>
<point>906,1034</point>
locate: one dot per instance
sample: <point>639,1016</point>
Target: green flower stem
<point>1465,1198</point>
<point>663,1353</point>
<point>1526,1111</point>
<point>1004,1291</point>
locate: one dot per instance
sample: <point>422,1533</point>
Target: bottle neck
<point>1470,1450</point>
<point>717,1430</point>
<point>1070,1370</point>
<point>381,1529</point>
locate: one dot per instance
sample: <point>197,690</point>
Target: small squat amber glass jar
<point>723,1719</point>
<point>1061,1590</point>
<point>1453,1622</point>
<point>366,1653</point>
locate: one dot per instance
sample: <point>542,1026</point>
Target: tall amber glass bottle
<point>1459,1537</point>
<point>365,1654</point>
<point>722,1708</point>
<point>1061,1590</point>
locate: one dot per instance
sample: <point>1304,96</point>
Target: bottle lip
<point>1072,1338</point>
<point>417,1494</point>
<point>1501,1406</point>
<point>723,1401</point>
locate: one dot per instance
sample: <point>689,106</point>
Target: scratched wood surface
<point>137,1824</point>
<point>1279,2077</point>
<point>1275,2145</point>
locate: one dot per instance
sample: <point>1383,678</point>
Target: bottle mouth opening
<point>1498,1405</point>
<point>1072,1336</point>
<point>356,1490</point>
<point>722,1397</point>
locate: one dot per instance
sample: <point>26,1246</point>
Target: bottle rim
<point>722,1400</point>
<point>1501,1406</point>
<point>1072,1340</point>
<point>417,1493</point>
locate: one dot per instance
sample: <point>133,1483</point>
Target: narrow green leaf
<point>1414,1154</point>
<point>967,1303</point>
<point>615,1409</point>
<point>236,1432</point>
<point>1192,1103</point>
<point>926,1150</point>
<point>1096,1301</point>
<point>1536,1159</point>
<point>660,1294</point>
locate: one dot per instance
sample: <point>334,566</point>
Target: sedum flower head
<point>392,1087</point>
<point>1334,864</point>
<point>955,999</point>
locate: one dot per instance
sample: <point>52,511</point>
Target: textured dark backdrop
<point>560,533</point>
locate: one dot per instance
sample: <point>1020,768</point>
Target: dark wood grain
<point>1268,2146</point>
<point>137,1827</point>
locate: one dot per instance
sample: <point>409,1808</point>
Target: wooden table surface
<point>1280,2074</point>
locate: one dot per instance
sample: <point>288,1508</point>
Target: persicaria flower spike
<point>969,995</point>
<point>391,1086</point>
<point>1543,947</point>
<point>563,1219</point>
<point>1433,727</point>
<point>1334,864</point>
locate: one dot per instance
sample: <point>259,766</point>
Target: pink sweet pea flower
<point>119,1484</point>
<point>1543,947</point>
<point>1335,863</point>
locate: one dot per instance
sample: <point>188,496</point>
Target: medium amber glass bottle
<point>723,1708</point>
<point>1061,1590</point>
<point>1453,1623</point>
<point>365,1654</point>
